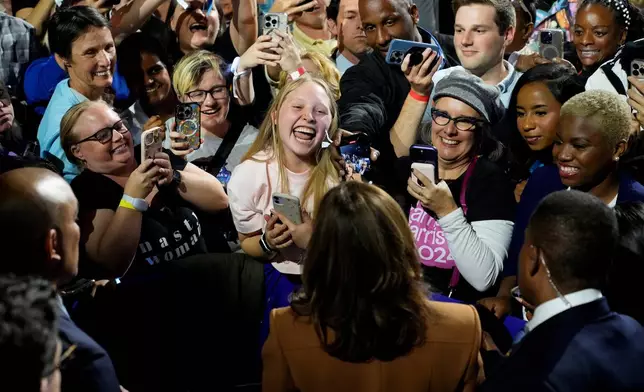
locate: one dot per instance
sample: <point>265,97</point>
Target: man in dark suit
<point>573,341</point>
<point>39,236</point>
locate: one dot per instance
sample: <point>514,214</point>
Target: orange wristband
<point>418,97</point>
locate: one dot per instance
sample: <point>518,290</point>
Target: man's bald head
<point>35,204</point>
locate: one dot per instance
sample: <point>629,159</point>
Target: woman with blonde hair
<point>362,320</point>
<point>289,156</point>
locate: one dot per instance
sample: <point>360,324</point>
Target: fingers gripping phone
<point>151,143</point>
<point>551,44</point>
<point>275,21</point>
<point>188,120</point>
<point>356,153</point>
<point>399,49</point>
<point>425,160</point>
<point>289,206</point>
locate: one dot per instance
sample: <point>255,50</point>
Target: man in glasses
<point>573,341</point>
<point>40,237</point>
<point>30,353</point>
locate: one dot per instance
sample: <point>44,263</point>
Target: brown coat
<point>448,361</point>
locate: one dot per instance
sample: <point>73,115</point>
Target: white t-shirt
<point>210,145</point>
<point>250,191</point>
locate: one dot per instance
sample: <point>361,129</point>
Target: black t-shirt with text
<point>170,229</point>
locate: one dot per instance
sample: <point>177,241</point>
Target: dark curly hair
<point>28,331</point>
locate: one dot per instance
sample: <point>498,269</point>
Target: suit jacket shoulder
<point>448,360</point>
<point>91,368</point>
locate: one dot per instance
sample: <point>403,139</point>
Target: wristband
<point>295,75</point>
<point>418,97</point>
<point>264,245</point>
<point>135,204</point>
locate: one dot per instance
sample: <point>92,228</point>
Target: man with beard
<point>343,19</point>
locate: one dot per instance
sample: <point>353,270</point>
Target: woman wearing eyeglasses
<point>133,215</point>
<point>204,78</point>
<point>463,224</point>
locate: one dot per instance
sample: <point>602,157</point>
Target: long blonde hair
<point>268,141</point>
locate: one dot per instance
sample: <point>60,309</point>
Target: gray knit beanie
<point>471,89</point>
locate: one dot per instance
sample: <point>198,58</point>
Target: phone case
<point>188,119</point>
<point>288,206</point>
<point>428,170</point>
<point>399,48</point>
<point>275,21</point>
<point>151,143</point>
<point>551,43</point>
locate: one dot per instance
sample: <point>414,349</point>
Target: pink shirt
<point>250,191</point>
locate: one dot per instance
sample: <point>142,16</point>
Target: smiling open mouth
<point>198,27</point>
<point>304,134</point>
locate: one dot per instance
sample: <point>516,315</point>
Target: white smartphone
<point>427,169</point>
<point>637,70</point>
<point>151,143</point>
<point>551,43</point>
<point>275,21</point>
<point>289,206</point>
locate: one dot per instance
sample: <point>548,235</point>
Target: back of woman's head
<point>361,277</point>
<point>628,263</point>
<point>67,25</point>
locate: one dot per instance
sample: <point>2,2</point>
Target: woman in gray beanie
<point>463,223</point>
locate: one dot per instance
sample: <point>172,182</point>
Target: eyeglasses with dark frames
<point>217,93</point>
<point>104,135</point>
<point>462,123</point>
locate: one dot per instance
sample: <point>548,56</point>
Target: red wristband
<point>297,73</point>
<point>418,97</point>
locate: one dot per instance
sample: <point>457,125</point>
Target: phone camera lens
<point>636,66</point>
<point>149,139</point>
<point>267,24</point>
<point>546,37</point>
<point>636,73</point>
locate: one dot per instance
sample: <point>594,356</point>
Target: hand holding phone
<point>188,123</point>
<point>424,159</point>
<point>551,44</point>
<point>356,153</point>
<point>151,143</point>
<point>420,75</point>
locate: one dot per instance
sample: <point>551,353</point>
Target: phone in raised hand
<point>424,159</point>
<point>151,143</point>
<point>399,49</point>
<point>188,120</point>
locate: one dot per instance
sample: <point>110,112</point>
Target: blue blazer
<point>586,348</point>
<point>544,181</point>
<point>90,369</point>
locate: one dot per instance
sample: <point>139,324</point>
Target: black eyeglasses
<point>104,135</point>
<point>217,92</point>
<point>462,123</point>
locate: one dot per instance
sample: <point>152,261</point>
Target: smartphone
<point>551,44</point>
<point>275,21</point>
<point>637,69</point>
<point>356,153</point>
<point>289,206</point>
<point>424,158</point>
<point>151,143</point>
<point>188,120</point>
<point>399,49</point>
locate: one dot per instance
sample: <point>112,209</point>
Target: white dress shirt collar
<point>550,309</point>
